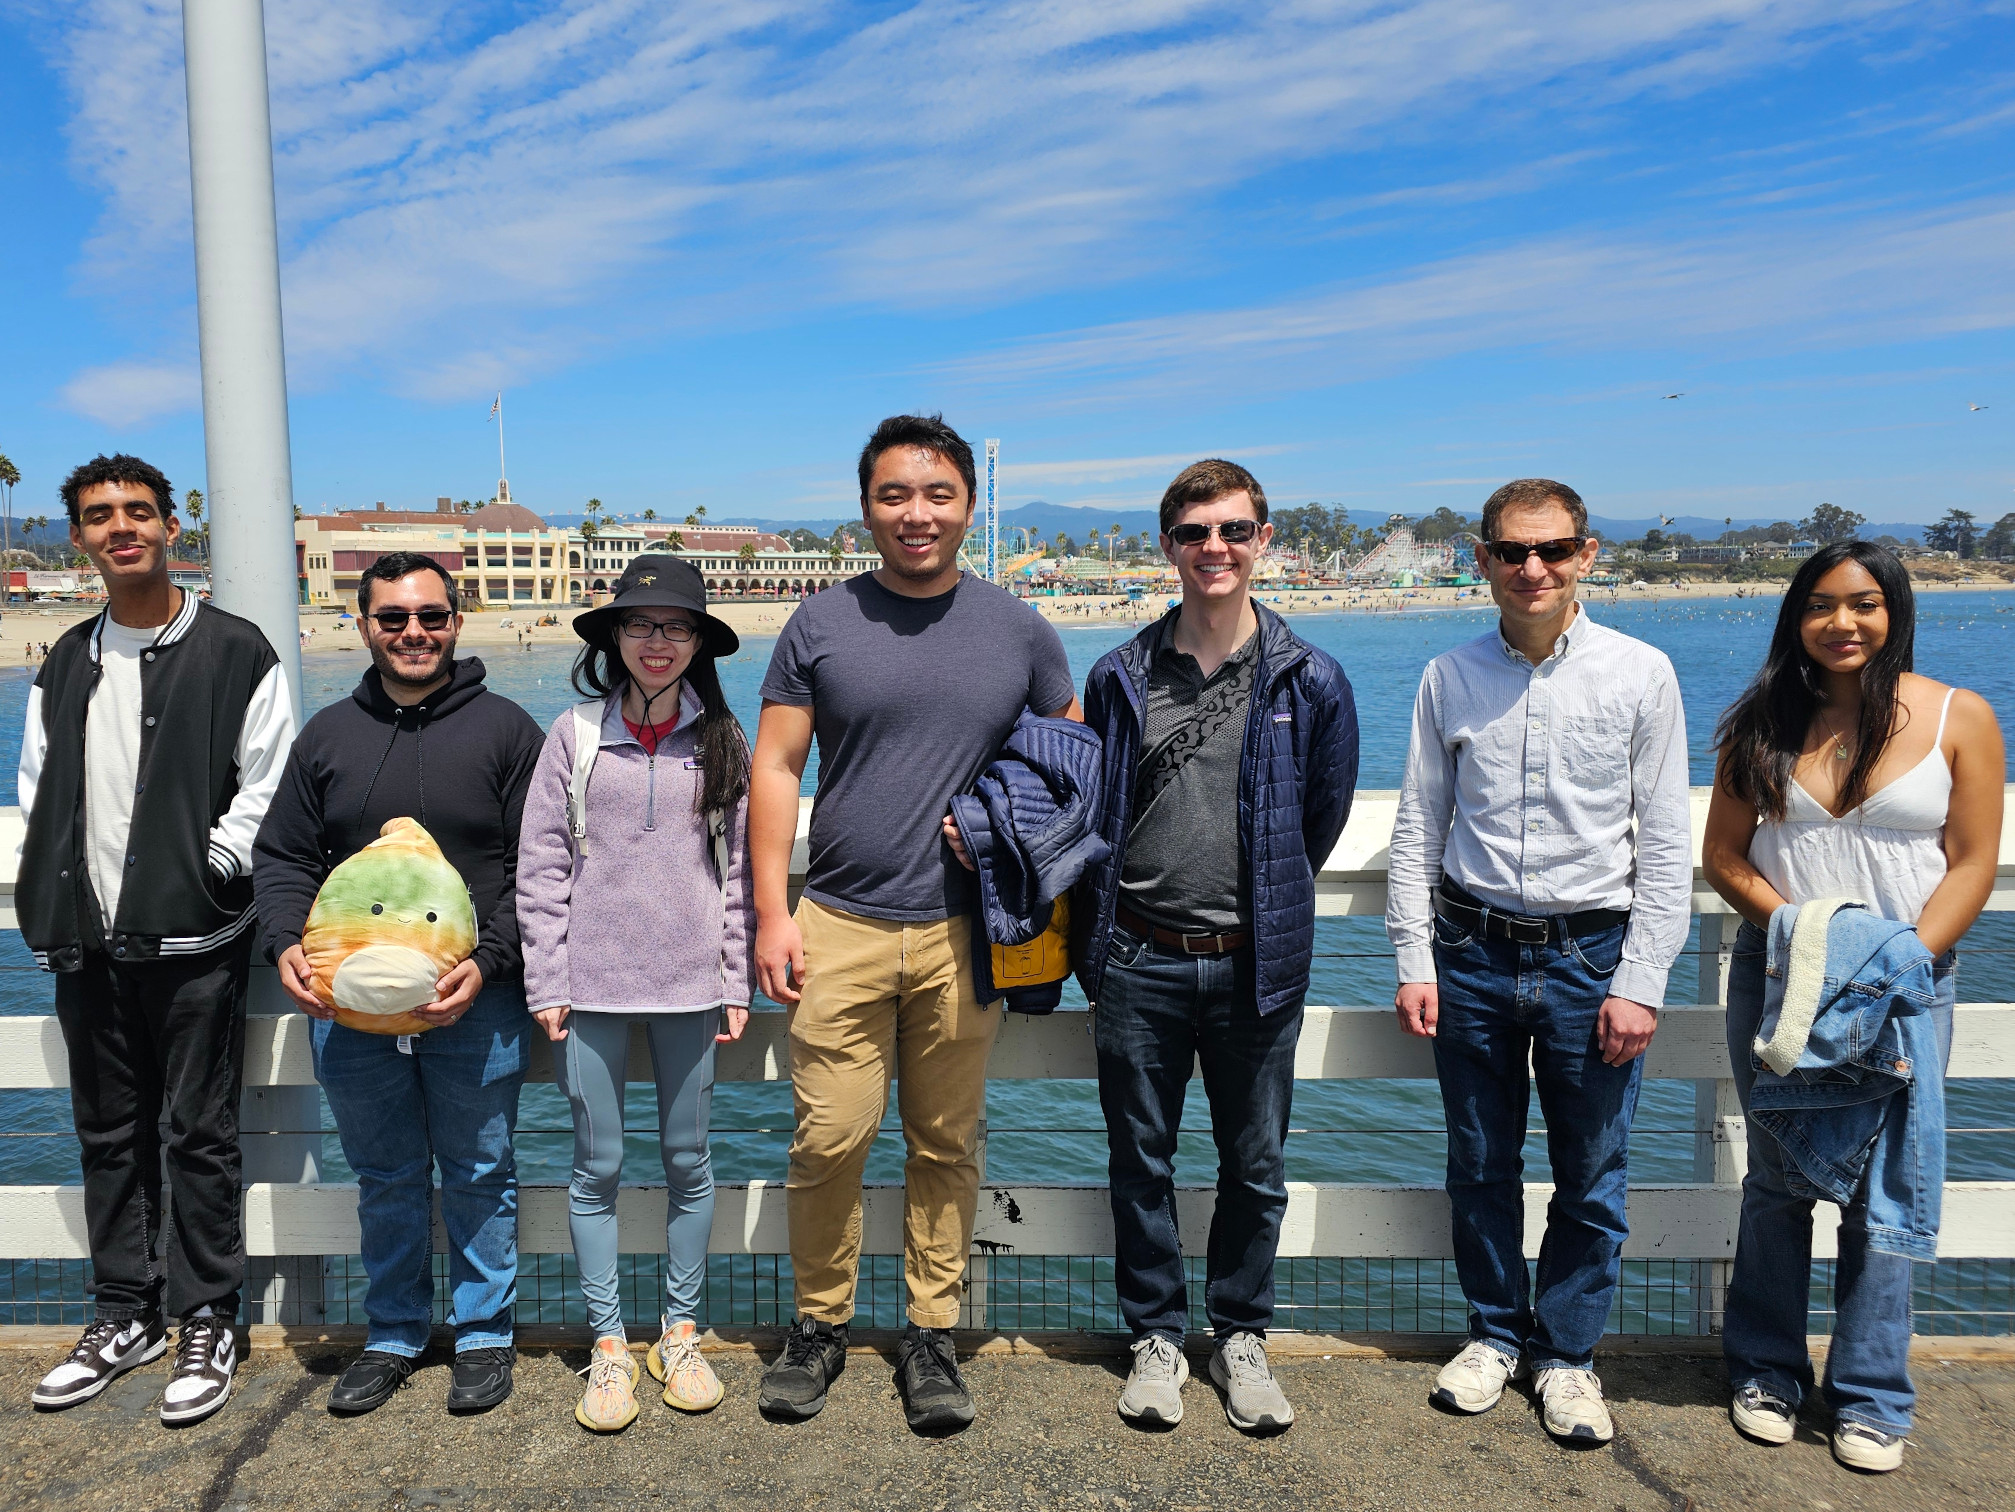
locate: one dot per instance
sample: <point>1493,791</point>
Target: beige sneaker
<point>609,1405</point>
<point>690,1382</point>
<point>1573,1409</point>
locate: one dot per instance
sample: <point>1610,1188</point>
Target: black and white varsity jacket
<point>216,723</point>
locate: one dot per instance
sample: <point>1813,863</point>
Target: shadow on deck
<point>1047,1437</point>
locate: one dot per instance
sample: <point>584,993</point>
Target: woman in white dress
<point>1841,773</point>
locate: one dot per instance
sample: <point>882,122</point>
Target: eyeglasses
<point>1231,532</point>
<point>1514,553</point>
<point>678,632</point>
<point>392,621</point>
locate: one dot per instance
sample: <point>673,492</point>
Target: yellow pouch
<point>1046,958</point>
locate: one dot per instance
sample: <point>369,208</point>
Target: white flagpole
<point>503,477</point>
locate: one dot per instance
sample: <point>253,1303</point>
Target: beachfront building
<point>737,561</point>
<point>502,556</point>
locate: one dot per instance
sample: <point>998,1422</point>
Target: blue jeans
<point>1763,1324</point>
<point>1157,1014</point>
<point>1502,1003</point>
<point>453,1099</point>
<point>592,1063</point>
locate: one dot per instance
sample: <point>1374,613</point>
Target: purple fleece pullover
<point>639,924</point>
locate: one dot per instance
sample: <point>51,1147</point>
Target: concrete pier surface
<point>1047,1437</point>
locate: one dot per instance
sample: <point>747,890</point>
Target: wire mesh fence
<point>1035,1293</point>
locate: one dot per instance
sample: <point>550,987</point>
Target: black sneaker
<point>935,1399</point>
<point>109,1348</point>
<point>794,1387</point>
<point>206,1359</point>
<point>482,1379</point>
<point>369,1383</point>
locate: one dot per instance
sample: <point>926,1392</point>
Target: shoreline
<point>323,632</point>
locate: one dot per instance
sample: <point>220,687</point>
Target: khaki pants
<point>882,998</point>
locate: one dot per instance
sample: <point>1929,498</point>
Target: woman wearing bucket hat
<point>635,907</point>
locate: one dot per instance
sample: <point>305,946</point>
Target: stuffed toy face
<point>387,924</point>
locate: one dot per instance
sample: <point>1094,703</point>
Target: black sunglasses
<point>1514,553</point>
<point>392,621</point>
<point>1231,532</point>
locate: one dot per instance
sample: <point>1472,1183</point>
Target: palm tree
<point>650,514</point>
<point>747,554</point>
<point>9,476</point>
<point>193,502</point>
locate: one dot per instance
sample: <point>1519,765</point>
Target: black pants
<point>149,1039</point>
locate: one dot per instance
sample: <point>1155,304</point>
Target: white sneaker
<point>1767,1419</point>
<point>206,1361</point>
<point>1859,1447</point>
<point>1475,1379</point>
<point>1153,1393</point>
<point>1574,1407</point>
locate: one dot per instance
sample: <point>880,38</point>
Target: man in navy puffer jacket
<point>1230,757</point>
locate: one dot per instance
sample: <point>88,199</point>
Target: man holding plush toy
<point>387,888</point>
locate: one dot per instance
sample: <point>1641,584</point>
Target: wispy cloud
<point>1807,283</point>
<point>131,393</point>
<point>475,192</point>
<point>1119,469</point>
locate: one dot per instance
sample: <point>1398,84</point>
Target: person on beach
<point>154,737</point>
<point>422,738</point>
<point>1230,761</point>
<point>1540,888</point>
<point>912,677</point>
<point>1840,773</point>
<point>634,908</point>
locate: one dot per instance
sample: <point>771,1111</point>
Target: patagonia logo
<point>693,762</point>
<point>1283,719</point>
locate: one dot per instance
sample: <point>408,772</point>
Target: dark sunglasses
<point>392,621</point>
<point>1514,553</point>
<point>1231,532</point>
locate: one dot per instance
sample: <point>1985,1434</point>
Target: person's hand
<point>1623,1029</point>
<point>457,991</point>
<point>951,832</point>
<point>294,979</point>
<point>780,958</point>
<point>1419,1005</point>
<point>734,1020</point>
<point>553,1021</point>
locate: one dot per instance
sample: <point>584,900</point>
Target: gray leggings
<point>591,1068</point>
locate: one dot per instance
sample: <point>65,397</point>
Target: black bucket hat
<point>658,582</point>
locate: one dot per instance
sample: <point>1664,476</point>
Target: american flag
<point>495,405</point>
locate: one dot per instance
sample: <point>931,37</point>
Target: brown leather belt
<point>1188,944</point>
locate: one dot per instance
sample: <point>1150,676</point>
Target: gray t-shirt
<point>910,699</point>
<point>1184,868</point>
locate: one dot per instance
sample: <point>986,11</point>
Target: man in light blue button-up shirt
<point>1539,891</point>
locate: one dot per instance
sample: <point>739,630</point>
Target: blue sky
<point>1386,254</point>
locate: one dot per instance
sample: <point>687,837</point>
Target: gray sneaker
<point>1153,1394</point>
<point>1252,1401</point>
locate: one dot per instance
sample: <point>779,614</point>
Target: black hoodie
<point>459,763</point>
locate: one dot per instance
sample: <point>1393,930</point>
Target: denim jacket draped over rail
<point>1031,825</point>
<point>1850,1076</point>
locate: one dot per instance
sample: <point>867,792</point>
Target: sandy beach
<point>25,629</point>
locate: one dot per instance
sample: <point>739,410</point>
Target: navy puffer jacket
<point>1294,790</point>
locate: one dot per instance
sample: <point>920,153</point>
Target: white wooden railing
<point>289,1211</point>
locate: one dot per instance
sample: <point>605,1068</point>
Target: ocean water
<point>1051,1131</point>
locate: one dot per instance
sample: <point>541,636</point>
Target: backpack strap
<point>587,746</point>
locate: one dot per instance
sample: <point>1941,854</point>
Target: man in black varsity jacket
<point>155,737</point>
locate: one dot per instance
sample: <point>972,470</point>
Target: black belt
<point>1175,939</point>
<point>1466,911</point>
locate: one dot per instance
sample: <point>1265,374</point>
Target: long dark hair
<point>724,747</point>
<point>1763,733</point>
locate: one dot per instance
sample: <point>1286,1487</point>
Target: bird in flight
<point>1976,407</point>
<point>1665,519</point>
<point>1680,395</point>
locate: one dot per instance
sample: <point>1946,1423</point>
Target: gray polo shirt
<point>1185,867</point>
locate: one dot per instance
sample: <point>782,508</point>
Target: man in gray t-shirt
<point>911,678</point>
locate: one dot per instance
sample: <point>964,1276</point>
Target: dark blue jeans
<point>1763,1323</point>
<point>454,1099</point>
<point>1157,1016</point>
<point>1501,1004</point>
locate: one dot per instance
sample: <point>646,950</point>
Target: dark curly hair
<point>118,468</point>
<point>926,432</point>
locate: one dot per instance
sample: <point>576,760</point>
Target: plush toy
<point>387,924</point>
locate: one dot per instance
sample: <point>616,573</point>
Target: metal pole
<point>251,474</point>
<point>993,525</point>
